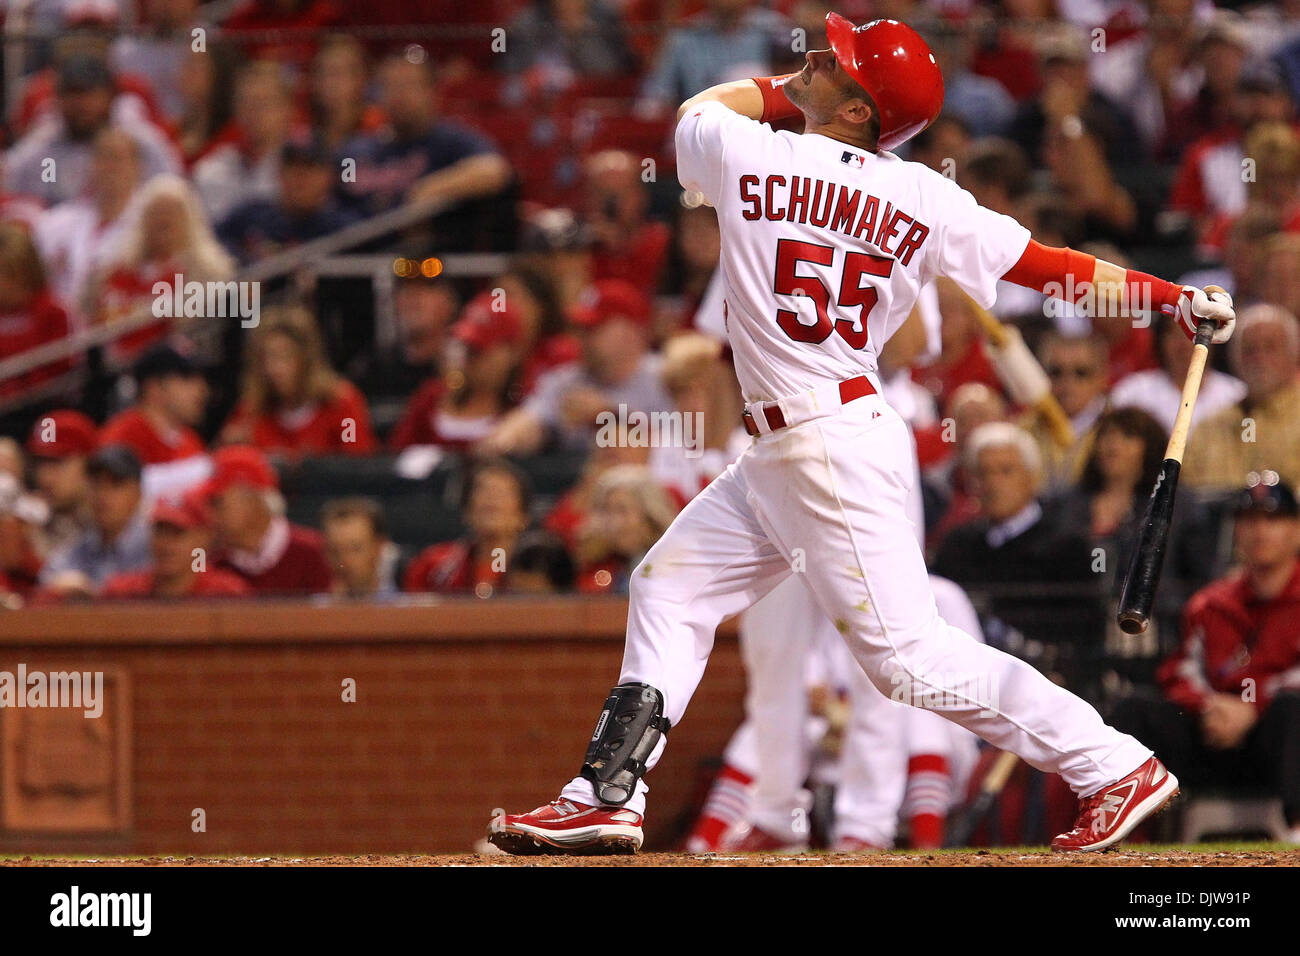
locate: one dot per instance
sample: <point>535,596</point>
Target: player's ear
<point>856,110</point>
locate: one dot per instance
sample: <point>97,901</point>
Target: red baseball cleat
<point>850,844</point>
<point>760,841</point>
<point>1110,814</point>
<point>566,827</point>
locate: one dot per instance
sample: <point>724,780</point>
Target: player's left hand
<point>1196,305</point>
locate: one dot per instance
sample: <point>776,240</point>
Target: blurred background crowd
<point>466,239</point>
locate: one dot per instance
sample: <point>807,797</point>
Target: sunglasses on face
<point>1075,371</point>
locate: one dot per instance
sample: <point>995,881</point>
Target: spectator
<point>1158,391</point>
<point>207,102</point>
<point>616,370</point>
<point>548,343</point>
<point>12,461</point>
<point>693,276</point>
<point>630,510</point>
<point>1220,55</point>
<point>171,396</point>
<point>962,357</point>
<point>707,404</point>
<point>979,101</point>
<point>291,401</point>
<point>29,315</point>
<point>1261,430</point>
<point>247,168</point>
<point>88,105</point>
<point>304,207</point>
<point>942,146</point>
<point>1274,193</point>
<point>180,536</point>
<point>165,234</point>
<point>1127,327</point>
<point>555,40</point>
<point>117,540</point>
<point>157,47</point>
<point>729,40</point>
<point>541,565</point>
<point>1209,182</point>
<point>21,517</point>
<point>340,113</point>
<point>361,555</point>
<point>466,404</point>
<point>942,451</point>
<point>1229,711</point>
<point>1279,272</point>
<point>495,506</point>
<point>1076,368</point>
<point>628,245</point>
<point>557,245</point>
<point>1036,576</point>
<point>254,538</point>
<point>422,309</point>
<point>75,236</point>
<point>566,518</point>
<point>60,447</point>
<point>420,157</point>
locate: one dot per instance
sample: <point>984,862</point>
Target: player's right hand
<point>1196,305</point>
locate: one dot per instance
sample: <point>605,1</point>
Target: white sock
<point>580,790</point>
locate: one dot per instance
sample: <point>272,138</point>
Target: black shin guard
<point>626,734</point>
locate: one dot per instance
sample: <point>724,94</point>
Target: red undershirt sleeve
<point>776,105</point>
<point>1079,277</point>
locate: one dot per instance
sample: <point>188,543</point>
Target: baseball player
<point>827,238</point>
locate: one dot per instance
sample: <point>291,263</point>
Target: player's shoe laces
<point>1110,814</point>
<point>567,827</point>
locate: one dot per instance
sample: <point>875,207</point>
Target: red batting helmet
<point>892,63</point>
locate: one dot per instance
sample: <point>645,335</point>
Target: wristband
<point>776,105</point>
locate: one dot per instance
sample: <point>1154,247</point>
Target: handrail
<point>282,263</point>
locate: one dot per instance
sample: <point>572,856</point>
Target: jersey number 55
<point>789,253</point>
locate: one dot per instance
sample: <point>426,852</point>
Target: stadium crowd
<point>154,145</point>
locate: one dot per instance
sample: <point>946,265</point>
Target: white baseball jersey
<point>825,247</point>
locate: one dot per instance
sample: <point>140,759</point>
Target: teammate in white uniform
<point>827,238</point>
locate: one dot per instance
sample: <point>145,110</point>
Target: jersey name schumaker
<point>835,206</point>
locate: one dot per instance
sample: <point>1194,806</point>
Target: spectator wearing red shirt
<point>1230,706</point>
<point>29,315</point>
<point>59,448</point>
<point>181,533</point>
<point>961,357</point>
<point>254,538</point>
<point>629,246</point>
<point>171,396</point>
<point>292,403</point>
<point>457,409</point>
<point>548,343</point>
<point>496,509</point>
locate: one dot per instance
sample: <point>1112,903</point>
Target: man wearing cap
<point>88,103</point>
<point>254,538</point>
<point>171,396</point>
<point>181,532</point>
<point>464,405</point>
<point>1230,706</point>
<point>616,369</point>
<point>59,446</point>
<point>118,538</point>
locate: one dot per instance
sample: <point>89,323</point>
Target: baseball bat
<point>1143,576</point>
<point>994,782</point>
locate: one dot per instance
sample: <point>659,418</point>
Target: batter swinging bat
<point>1144,571</point>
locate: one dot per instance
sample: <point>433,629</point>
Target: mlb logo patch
<point>852,159</point>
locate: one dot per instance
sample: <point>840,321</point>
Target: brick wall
<point>461,707</point>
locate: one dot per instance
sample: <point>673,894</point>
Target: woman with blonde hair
<point>629,511</point>
<point>292,402</point>
<point>166,234</point>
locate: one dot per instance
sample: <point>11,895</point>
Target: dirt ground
<point>1261,855</point>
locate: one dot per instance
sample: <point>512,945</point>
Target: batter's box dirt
<point>1264,854</point>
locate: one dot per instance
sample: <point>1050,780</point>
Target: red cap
<point>239,465</point>
<point>892,63</point>
<point>61,433</point>
<point>189,511</point>
<point>610,299</point>
<point>480,326</point>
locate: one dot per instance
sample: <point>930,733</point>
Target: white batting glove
<point>1196,305</point>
